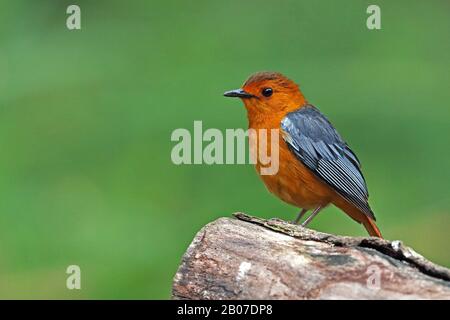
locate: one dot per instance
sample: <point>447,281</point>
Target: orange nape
<point>316,166</point>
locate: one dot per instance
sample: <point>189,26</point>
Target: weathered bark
<point>253,258</point>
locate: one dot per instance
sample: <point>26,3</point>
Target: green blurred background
<point>86,116</point>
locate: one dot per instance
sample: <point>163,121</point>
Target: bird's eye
<point>267,92</point>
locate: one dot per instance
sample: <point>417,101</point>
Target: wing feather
<point>317,144</point>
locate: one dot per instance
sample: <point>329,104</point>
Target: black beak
<point>239,93</point>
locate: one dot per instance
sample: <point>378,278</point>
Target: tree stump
<point>252,258</point>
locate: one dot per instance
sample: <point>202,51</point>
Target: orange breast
<point>294,183</point>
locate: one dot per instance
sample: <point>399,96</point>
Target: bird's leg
<point>315,212</point>
<point>300,215</point>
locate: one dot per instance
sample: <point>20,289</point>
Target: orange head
<point>268,94</point>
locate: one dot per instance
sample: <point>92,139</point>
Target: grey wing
<point>317,144</point>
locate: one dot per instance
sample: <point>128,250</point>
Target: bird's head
<point>268,93</point>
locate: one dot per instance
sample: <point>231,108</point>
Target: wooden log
<point>252,258</point>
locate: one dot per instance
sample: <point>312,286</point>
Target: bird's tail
<point>372,228</point>
<point>359,216</point>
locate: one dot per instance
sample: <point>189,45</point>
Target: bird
<point>317,168</point>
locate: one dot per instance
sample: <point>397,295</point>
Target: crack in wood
<point>394,249</point>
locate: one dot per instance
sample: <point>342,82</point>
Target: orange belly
<point>296,184</point>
